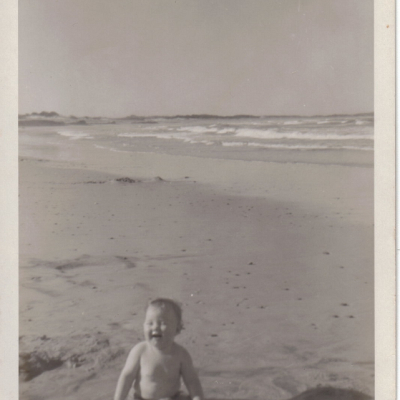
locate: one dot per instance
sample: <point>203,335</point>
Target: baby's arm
<point>129,373</point>
<point>190,377</point>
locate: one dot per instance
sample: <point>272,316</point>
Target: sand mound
<point>130,180</point>
<point>86,261</point>
<point>34,363</point>
<point>41,354</point>
<point>127,180</point>
<point>95,182</point>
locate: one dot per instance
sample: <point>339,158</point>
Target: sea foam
<point>274,134</point>
<point>73,135</point>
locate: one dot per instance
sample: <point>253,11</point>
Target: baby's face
<point>160,327</point>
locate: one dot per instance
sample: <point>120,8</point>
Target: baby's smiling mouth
<point>155,335</point>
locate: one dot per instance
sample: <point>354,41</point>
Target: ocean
<point>327,139</point>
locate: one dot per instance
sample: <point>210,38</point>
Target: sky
<point>168,57</point>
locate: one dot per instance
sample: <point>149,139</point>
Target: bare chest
<point>156,367</point>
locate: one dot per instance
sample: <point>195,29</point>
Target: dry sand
<point>273,263</point>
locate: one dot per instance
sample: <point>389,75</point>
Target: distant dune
<point>52,118</point>
<point>40,122</point>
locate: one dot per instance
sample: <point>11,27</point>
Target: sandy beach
<point>272,262</point>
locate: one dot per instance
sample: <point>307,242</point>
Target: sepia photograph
<point>196,199</point>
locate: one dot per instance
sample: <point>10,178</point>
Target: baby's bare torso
<point>159,374</point>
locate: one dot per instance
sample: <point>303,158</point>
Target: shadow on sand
<point>330,393</point>
<point>326,393</point>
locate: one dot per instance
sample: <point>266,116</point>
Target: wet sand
<point>273,263</point>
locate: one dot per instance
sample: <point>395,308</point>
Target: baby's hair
<point>163,303</point>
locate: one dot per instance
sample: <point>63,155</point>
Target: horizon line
<point>50,114</point>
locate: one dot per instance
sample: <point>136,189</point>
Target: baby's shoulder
<point>138,349</point>
<point>181,351</point>
<point>135,355</point>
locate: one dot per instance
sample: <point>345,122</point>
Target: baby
<point>156,365</point>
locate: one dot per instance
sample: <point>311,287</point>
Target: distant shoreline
<point>53,114</point>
